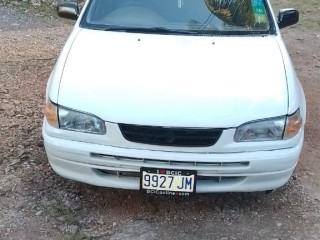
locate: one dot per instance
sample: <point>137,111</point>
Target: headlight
<point>264,130</point>
<point>272,129</point>
<point>72,120</point>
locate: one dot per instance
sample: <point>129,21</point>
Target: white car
<point>175,97</point>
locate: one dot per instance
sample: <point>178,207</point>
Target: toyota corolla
<point>175,97</point>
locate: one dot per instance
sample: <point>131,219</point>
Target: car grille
<point>216,179</point>
<point>135,163</point>
<point>207,171</point>
<point>177,137</point>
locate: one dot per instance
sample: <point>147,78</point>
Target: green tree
<point>233,12</point>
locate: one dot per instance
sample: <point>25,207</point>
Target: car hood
<point>181,81</point>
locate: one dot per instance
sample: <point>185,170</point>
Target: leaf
<point>233,12</point>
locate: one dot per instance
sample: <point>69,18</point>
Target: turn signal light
<point>293,125</point>
<point>50,113</point>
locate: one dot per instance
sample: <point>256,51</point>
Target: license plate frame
<point>171,175</point>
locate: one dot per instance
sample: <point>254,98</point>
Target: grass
<point>45,11</point>
<point>309,11</point>
<point>55,209</point>
<point>77,236</point>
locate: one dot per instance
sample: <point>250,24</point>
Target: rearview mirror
<point>69,10</point>
<point>287,17</point>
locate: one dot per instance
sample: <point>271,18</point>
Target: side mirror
<point>287,17</point>
<point>69,10</point>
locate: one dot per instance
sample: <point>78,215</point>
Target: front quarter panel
<point>53,84</point>
<point>296,97</point>
<point>52,90</point>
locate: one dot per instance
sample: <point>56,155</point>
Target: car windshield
<point>179,16</point>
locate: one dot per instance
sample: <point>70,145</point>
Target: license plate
<point>168,181</point>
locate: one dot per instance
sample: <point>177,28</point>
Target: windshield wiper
<point>160,30</point>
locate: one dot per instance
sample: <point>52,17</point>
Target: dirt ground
<point>35,203</point>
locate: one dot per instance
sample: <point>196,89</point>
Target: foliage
<point>233,12</point>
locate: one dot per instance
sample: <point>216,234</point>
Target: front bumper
<point>217,172</point>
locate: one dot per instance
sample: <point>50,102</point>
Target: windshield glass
<point>178,16</point>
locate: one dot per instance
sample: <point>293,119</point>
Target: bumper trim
<point>89,174</point>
